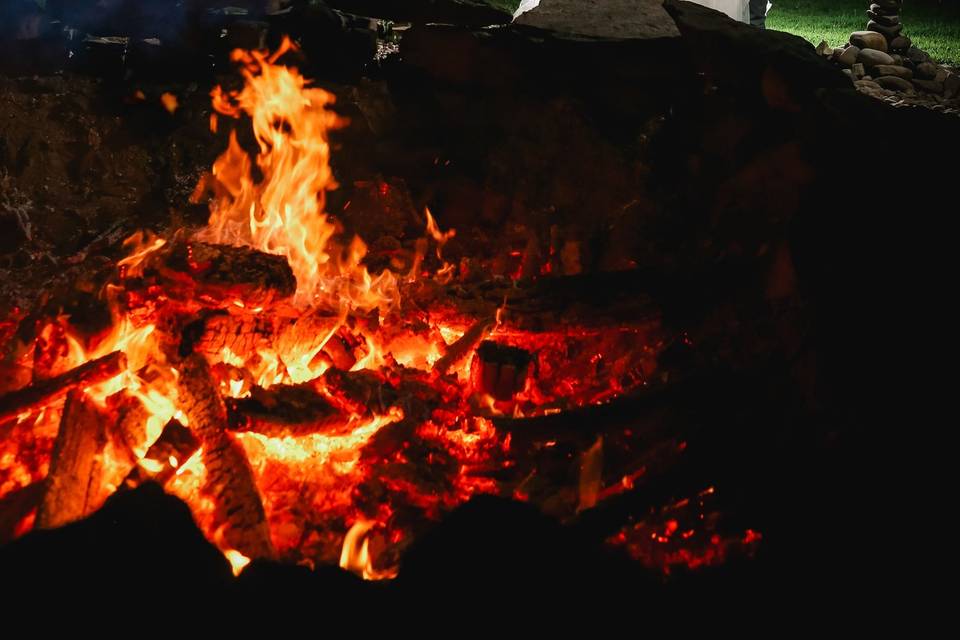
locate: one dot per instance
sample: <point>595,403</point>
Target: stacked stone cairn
<point>883,59</point>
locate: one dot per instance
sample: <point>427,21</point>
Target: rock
<point>928,70</point>
<point>900,43</point>
<point>886,20</point>
<point>869,40</point>
<point>858,71</point>
<point>849,74</point>
<point>897,59</point>
<point>472,13</point>
<point>893,70</point>
<point>941,75</point>
<point>889,32</point>
<point>621,20</point>
<point>930,86</point>
<point>887,5</point>
<point>872,57</point>
<point>824,49</point>
<point>784,66</point>
<point>867,84</point>
<point>918,55</point>
<point>894,83</point>
<point>951,85</point>
<point>848,56</point>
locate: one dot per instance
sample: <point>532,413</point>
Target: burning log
<point>465,345</point>
<point>42,393</point>
<point>74,485</point>
<point>229,478</point>
<point>285,410</point>
<point>503,369</point>
<point>215,275</point>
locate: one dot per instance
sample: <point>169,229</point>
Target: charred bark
<point>44,392</point>
<point>229,478</point>
<point>74,484</point>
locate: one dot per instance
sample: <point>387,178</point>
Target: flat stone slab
<point>608,20</point>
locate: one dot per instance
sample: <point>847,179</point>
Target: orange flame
<point>284,213</point>
<point>355,555</point>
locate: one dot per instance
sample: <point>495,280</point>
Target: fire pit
<point>562,313</point>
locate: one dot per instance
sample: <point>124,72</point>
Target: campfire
<point>313,410</point>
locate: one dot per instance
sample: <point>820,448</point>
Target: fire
<point>416,411</point>
<point>284,213</point>
<point>356,557</point>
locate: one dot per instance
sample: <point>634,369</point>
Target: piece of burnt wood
<point>460,349</point>
<point>502,370</point>
<point>74,482</point>
<point>170,451</point>
<point>229,478</point>
<point>584,302</point>
<point>16,506</point>
<point>240,333</point>
<point>42,393</point>
<point>216,275</point>
<point>356,392</point>
<point>584,424</point>
<point>127,435</point>
<point>285,410</point>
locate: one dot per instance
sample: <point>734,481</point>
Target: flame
<point>355,555</point>
<point>169,102</point>
<point>284,213</point>
<point>237,560</point>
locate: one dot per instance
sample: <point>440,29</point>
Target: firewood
<point>229,478</point>
<point>199,274</point>
<point>580,303</point>
<point>243,334</point>
<point>285,410</point>
<point>74,482</point>
<point>503,369</point>
<point>466,344</point>
<point>44,392</point>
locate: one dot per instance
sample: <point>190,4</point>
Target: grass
<point>933,25</point>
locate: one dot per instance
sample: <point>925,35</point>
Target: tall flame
<point>284,213</point>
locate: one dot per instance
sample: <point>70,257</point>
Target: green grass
<point>933,25</point>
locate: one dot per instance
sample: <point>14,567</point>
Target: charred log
<point>74,484</point>
<point>215,275</point>
<point>229,478</point>
<point>285,410</point>
<point>42,393</point>
<point>460,349</point>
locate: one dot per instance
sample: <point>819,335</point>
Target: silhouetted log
<point>16,506</point>
<point>42,393</point>
<point>580,303</point>
<point>74,486</point>
<point>285,410</point>
<point>229,479</point>
<point>584,424</point>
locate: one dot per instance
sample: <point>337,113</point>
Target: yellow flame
<point>355,554</point>
<point>237,560</point>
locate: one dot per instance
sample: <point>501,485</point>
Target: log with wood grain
<point>228,481</point>
<point>74,485</point>
<point>44,392</point>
